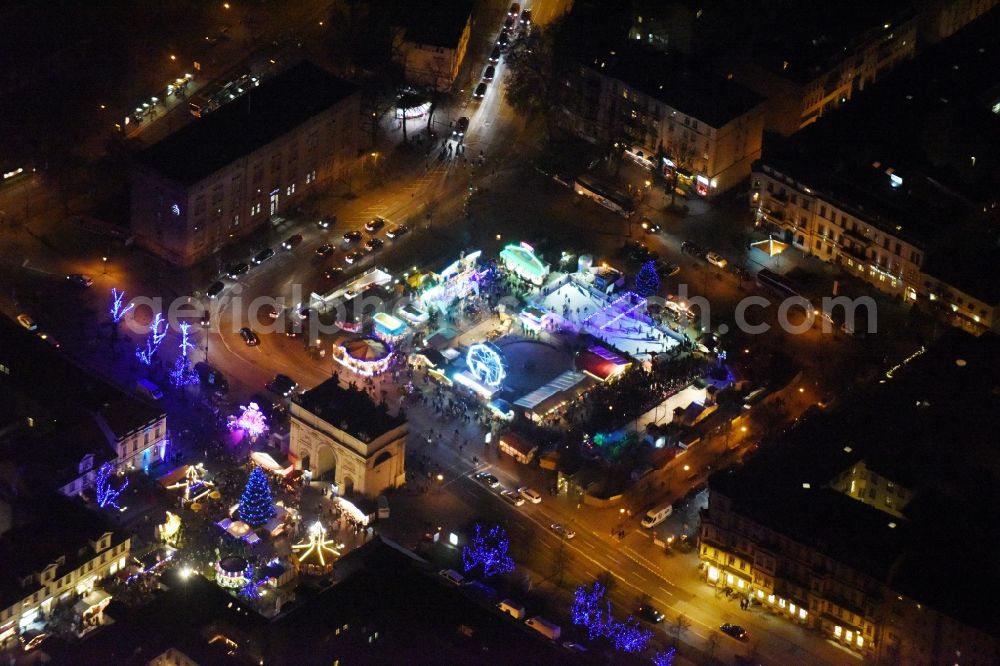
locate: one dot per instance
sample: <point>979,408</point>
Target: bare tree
<point>681,624</point>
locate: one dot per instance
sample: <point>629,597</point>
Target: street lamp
<point>104,261</point>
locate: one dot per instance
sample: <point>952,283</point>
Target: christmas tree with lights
<point>647,282</point>
<point>256,505</point>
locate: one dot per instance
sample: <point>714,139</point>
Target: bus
<point>605,194</point>
<point>778,284</point>
<point>217,93</point>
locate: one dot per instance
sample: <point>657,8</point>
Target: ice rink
<point>618,320</point>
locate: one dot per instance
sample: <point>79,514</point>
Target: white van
<point>654,517</point>
<point>512,608</point>
<point>452,577</point>
<point>545,627</point>
<point>149,389</point>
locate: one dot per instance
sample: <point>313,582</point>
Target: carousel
<point>232,572</point>
<point>364,356</point>
<point>316,554</point>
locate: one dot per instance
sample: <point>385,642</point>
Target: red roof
<point>600,363</point>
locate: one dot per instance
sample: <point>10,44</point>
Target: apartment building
<point>811,63</point>
<point>60,423</point>
<point>55,557</point>
<point>896,188</point>
<point>708,130</point>
<point>432,43</point>
<point>861,526</point>
<point>226,174</point>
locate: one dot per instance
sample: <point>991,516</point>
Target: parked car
<point>352,237</point>
<point>396,231</point>
<point>80,280</point>
<point>211,378</point>
<point>663,269</point>
<point>283,385</point>
<point>515,9</point>
<point>526,18</point>
<point>262,256</point>
<point>373,225</point>
<point>513,497</point>
<point>489,73</point>
<point>508,23</point>
<point>716,259</point>
<point>503,41</point>
<point>488,479</point>
<point>461,126</point>
<point>249,337</point>
<point>495,55</point>
<point>237,270</point>
<point>354,257</point>
<point>26,321</point>
<point>326,222</point>
<point>292,242</point>
<point>562,530</point>
<point>452,577</point>
<point>736,631</point>
<point>532,496</point>
<point>695,250</point>
<point>374,244</point>
<point>324,250</point>
<point>480,91</point>
<point>334,273</point>
<point>649,614</point>
<point>215,289</point>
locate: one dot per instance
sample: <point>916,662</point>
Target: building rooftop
<point>47,527</point>
<point>437,23</point>
<point>927,123</point>
<point>349,409</point>
<point>930,427</point>
<point>805,40</point>
<point>50,450</point>
<point>677,81</point>
<point>969,262</point>
<point>254,120</point>
<point>51,378</point>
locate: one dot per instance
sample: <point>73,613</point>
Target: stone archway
<point>326,464</point>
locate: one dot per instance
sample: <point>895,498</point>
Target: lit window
<point>729,579</point>
<point>860,641</point>
<point>770,598</point>
<point>781,603</point>
<point>791,608</point>
<point>837,631</point>
<point>739,583</point>
<point>802,613</point>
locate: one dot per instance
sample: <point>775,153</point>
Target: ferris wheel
<point>486,364</point>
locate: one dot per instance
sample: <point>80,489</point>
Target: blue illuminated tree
<point>591,610</point>
<point>106,494</point>
<point>647,282</point>
<point>157,331</point>
<point>665,658</point>
<point>256,506</point>
<point>118,309</point>
<point>629,635</point>
<point>183,374</point>
<point>489,551</point>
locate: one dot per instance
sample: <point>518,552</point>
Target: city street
<point>450,205</point>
